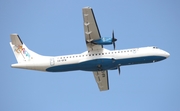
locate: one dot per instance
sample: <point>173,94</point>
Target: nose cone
<point>167,54</point>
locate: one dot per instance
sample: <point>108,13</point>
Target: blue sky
<point>55,27</point>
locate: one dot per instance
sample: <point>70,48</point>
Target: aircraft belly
<point>90,65</point>
<point>97,64</point>
<point>139,60</point>
<point>63,68</point>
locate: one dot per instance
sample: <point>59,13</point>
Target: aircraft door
<point>52,62</point>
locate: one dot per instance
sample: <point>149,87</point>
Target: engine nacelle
<point>103,41</point>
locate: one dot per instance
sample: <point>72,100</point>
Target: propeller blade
<point>119,70</point>
<point>113,40</point>
<point>113,34</point>
<point>114,45</point>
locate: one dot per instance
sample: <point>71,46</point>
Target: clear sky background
<point>55,27</point>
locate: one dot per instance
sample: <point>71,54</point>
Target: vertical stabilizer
<point>21,52</point>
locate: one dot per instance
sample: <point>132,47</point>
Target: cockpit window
<point>155,47</point>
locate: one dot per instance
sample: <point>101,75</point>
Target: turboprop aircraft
<point>96,59</point>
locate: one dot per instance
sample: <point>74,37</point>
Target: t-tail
<point>25,57</point>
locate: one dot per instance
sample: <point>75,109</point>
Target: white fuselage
<point>95,60</point>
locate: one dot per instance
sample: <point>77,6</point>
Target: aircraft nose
<point>167,54</point>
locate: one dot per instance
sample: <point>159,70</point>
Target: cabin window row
<point>97,54</point>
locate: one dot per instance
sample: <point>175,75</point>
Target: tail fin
<point>21,52</point>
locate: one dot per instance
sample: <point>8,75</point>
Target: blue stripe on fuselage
<point>106,64</point>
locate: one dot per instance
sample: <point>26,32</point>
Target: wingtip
<point>87,7</point>
<point>14,34</point>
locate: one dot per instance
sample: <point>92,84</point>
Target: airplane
<point>96,59</point>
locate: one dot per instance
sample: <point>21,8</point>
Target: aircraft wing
<point>101,78</point>
<point>91,29</point>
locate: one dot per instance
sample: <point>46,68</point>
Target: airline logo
<point>23,51</point>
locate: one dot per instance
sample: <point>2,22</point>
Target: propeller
<point>113,40</point>
<point>119,70</point>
